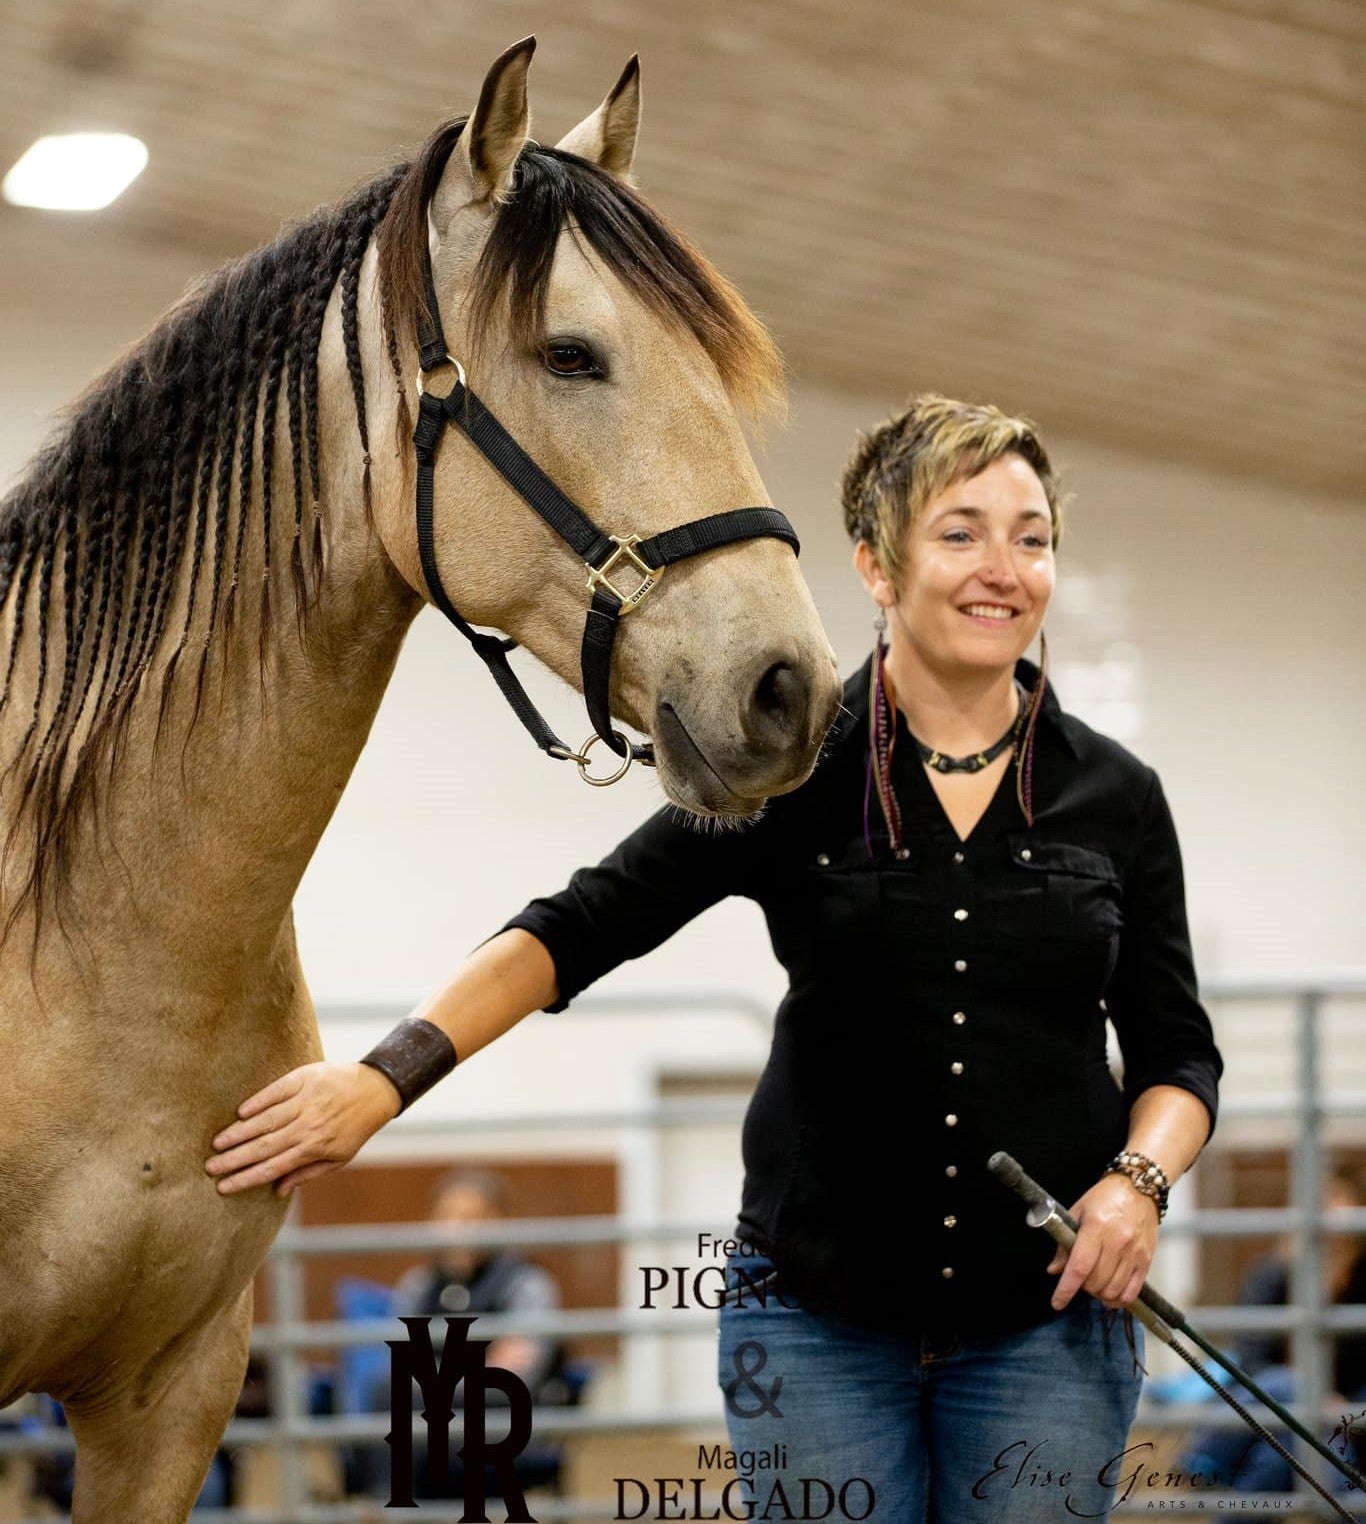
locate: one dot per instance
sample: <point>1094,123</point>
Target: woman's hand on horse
<point>1116,1239</point>
<point>311,1120</point>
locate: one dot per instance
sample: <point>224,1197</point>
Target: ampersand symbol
<point>767,1400</point>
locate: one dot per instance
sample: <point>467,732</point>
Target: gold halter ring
<point>449,360</point>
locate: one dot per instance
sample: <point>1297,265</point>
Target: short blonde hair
<point>914,456</point>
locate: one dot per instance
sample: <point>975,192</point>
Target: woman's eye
<point>957,536</point>
<point>570,360</point>
<point>1035,542</point>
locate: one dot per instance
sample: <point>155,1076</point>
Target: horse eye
<point>570,360</point>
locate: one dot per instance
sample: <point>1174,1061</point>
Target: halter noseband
<point>610,560</point>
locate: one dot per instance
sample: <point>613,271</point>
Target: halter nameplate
<point>601,576</point>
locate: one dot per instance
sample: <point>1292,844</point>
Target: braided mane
<point>152,483</point>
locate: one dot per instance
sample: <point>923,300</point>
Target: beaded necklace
<point>975,761</point>
<point>882,743</point>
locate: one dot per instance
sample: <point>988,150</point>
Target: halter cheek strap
<point>622,569</point>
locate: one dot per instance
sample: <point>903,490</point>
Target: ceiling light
<point>77,172</point>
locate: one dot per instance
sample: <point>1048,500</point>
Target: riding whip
<point>1165,1320</point>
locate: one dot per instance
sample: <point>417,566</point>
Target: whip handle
<point>1009,1173</point>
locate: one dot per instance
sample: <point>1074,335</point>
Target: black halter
<point>610,559</point>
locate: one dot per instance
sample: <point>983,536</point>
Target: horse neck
<point>217,803</point>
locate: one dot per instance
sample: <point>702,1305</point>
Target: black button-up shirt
<point>940,1007</point>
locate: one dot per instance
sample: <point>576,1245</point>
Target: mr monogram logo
<point>462,1359</point>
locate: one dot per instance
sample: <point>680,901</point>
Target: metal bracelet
<point>413,1057</point>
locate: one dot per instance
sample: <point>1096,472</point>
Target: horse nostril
<point>768,696</point>
<point>780,698</point>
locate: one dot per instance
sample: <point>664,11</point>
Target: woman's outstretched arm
<point>663,874</point>
<point>316,1118</point>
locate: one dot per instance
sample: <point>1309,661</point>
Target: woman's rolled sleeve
<point>1152,999</point>
<point>650,885</point>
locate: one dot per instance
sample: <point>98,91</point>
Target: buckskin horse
<point>206,579</point>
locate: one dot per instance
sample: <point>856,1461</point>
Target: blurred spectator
<point>483,1280</point>
<point>1236,1456</point>
<point>475,1279</point>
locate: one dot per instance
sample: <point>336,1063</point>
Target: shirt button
<point>950,1120</point>
<point>952,1171</point>
<point>950,1222</point>
<point>958,857</point>
<point>822,860</point>
<point>955,1068</point>
<point>947,1272</point>
<point>960,966</point>
<point>1026,856</point>
<point>960,915</point>
<point>959,1018</point>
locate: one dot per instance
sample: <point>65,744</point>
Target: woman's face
<point>978,573</point>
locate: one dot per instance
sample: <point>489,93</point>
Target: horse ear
<point>608,137</point>
<point>481,166</point>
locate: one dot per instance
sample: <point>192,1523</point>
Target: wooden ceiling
<point>1139,220</point>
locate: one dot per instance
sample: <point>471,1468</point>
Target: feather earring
<point>881,742</point>
<point>1024,753</point>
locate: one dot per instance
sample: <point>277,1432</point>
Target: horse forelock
<point>552,189</point>
<point>656,261</point>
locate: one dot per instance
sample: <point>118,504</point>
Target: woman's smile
<point>990,613</point>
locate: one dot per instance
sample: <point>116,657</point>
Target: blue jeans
<point>892,1428</point>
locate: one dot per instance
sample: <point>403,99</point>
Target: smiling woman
<point>955,512</point>
<point>952,945</point>
<point>974,587</point>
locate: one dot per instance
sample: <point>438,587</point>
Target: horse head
<point>607,346</point>
<point>248,471</point>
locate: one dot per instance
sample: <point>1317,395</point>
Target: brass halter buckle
<point>624,556</point>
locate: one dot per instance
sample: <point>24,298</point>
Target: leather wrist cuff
<point>413,1057</point>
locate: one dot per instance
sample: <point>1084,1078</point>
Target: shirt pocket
<point>1059,891</point>
<point>919,939</point>
<point>825,908</point>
